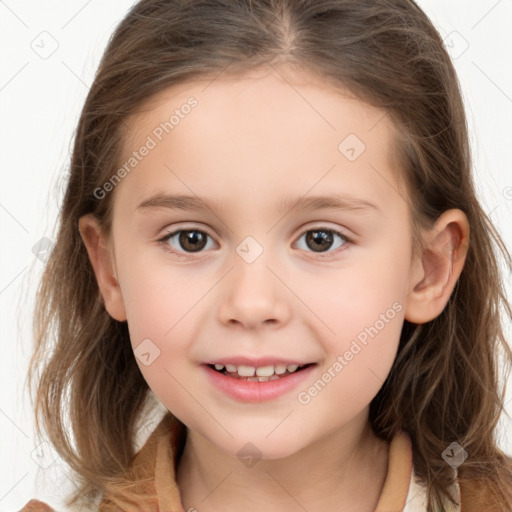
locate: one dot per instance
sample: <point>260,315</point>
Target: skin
<point>249,143</point>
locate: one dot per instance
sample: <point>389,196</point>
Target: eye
<point>190,240</point>
<point>319,240</point>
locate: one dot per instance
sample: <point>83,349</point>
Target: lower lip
<point>255,392</point>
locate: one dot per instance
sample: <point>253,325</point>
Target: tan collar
<point>161,452</point>
<point>396,486</point>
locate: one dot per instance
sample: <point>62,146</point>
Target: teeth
<point>263,371</point>
<point>246,371</point>
<point>261,374</point>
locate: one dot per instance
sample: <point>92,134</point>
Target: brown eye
<point>192,240</point>
<point>320,240</point>
<point>185,241</point>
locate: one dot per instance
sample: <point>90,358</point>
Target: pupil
<point>323,238</point>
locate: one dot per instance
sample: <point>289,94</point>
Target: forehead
<point>285,93</point>
<point>279,127</point>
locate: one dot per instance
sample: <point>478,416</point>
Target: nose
<point>253,294</point>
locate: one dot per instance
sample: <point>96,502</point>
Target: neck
<point>344,471</point>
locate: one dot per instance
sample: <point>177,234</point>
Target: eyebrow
<point>195,203</point>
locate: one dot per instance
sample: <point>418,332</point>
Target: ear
<point>437,270</point>
<point>102,260</point>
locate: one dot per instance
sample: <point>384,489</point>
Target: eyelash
<point>189,256</point>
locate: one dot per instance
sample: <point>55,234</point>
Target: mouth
<point>258,384</point>
<point>258,374</point>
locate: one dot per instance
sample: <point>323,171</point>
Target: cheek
<point>160,305</point>
<point>358,359</point>
<point>353,299</point>
<point>362,312</point>
<point>156,296</point>
<point>161,336</point>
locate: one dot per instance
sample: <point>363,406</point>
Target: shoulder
<point>476,496</point>
<point>471,496</point>
<point>416,500</point>
<point>467,494</point>
<point>36,506</point>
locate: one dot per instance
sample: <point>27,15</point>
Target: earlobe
<point>103,263</point>
<point>441,264</point>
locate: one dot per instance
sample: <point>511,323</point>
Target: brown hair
<point>444,385</point>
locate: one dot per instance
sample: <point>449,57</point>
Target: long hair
<point>445,383</point>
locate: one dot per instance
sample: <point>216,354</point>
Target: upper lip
<point>257,362</point>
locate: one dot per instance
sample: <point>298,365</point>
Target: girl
<point>271,227</point>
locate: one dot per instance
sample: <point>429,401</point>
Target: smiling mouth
<point>277,373</point>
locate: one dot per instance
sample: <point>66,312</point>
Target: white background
<point>40,101</point>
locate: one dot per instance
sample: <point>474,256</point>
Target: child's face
<point>249,147</point>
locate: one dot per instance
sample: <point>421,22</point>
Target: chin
<point>260,448</point>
